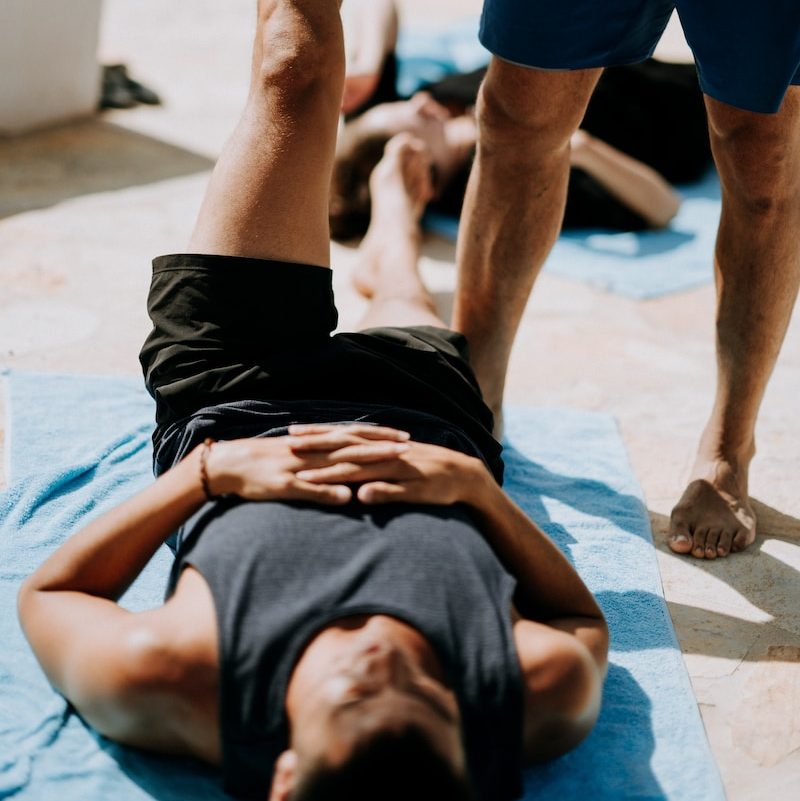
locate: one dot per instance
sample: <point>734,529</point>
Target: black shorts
<point>243,347</point>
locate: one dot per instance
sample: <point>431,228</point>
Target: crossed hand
<point>321,463</point>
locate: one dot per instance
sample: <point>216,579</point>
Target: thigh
<point>268,195</point>
<point>573,34</point>
<point>747,52</point>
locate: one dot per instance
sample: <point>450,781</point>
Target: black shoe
<point>121,91</point>
<point>115,92</point>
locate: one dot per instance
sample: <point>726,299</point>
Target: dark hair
<point>390,765</point>
<point>350,201</point>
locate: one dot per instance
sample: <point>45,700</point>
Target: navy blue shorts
<point>747,51</point>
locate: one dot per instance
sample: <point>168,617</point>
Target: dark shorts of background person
<point>242,347</point>
<point>653,111</point>
<point>747,52</point>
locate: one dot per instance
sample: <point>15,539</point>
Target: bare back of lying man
<point>352,605</point>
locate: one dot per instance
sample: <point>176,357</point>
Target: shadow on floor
<point>769,583</point>
<point>41,169</point>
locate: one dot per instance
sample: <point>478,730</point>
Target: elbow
<point>661,216</point>
<point>566,705</point>
<point>597,643</point>
<point>25,597</point>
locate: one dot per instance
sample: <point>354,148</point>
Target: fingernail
<point>680,538</point>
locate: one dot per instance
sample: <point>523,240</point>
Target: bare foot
<point>713,517</point>
<point>401,187</point>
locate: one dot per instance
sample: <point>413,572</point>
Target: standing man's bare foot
<point>713,516</point>
<point>400,188</point>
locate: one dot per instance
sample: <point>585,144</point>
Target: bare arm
<point>631,181</point>
<point>549,589</point>
<point>93,651</point>
<point>562,641</point>
<point>99,655</point>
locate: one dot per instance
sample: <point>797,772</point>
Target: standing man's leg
<point>268,195</point>
<point>514,205</point>
<point>757,272</point>
<point>526,115</point>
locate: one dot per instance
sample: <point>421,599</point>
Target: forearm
<point>105,557</point>
<point>549,590</point>
<point>631,181</point>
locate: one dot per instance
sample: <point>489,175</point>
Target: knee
<point>299,48</point>
<point>758,161</point>
<point>524,113</point>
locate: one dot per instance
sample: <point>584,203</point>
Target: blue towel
<point>80,444</point>
<point>642,265</point>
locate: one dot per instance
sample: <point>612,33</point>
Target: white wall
<point>48,61</point>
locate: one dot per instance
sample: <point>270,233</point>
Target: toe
<point>680,538</point>
<point>742,538</point>
<point>724,543</point>
<point>699,542</point>
<point>712,540</point>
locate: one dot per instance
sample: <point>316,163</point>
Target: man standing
<point>548,56</point>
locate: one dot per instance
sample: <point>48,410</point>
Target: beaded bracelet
<point>207,443</point>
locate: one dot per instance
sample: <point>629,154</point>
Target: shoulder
<point>158,690</point>
<point>562,686</point>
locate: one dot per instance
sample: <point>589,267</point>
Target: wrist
<point>212,472</point>
<point>477,489</point>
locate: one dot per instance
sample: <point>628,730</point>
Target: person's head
<point>361,147</point>
<point>390,765</point>
<point>371,721</point>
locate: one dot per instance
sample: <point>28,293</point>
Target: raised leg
<point>387,271</point>
<point>757,265</point>
<point>514,205</point>
<point>268,195</point>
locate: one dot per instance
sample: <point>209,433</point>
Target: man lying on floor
<point>352,606</point>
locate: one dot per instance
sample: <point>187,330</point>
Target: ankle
<point>715,450</point>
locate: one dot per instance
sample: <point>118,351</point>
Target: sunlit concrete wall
<point>48,62</point>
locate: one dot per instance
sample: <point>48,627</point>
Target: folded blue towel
<point>79,445</point>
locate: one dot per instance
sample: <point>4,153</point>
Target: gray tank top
<point>280,572</point>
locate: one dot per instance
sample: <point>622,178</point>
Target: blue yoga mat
<point>79,444</point>
<point>641,265</point>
